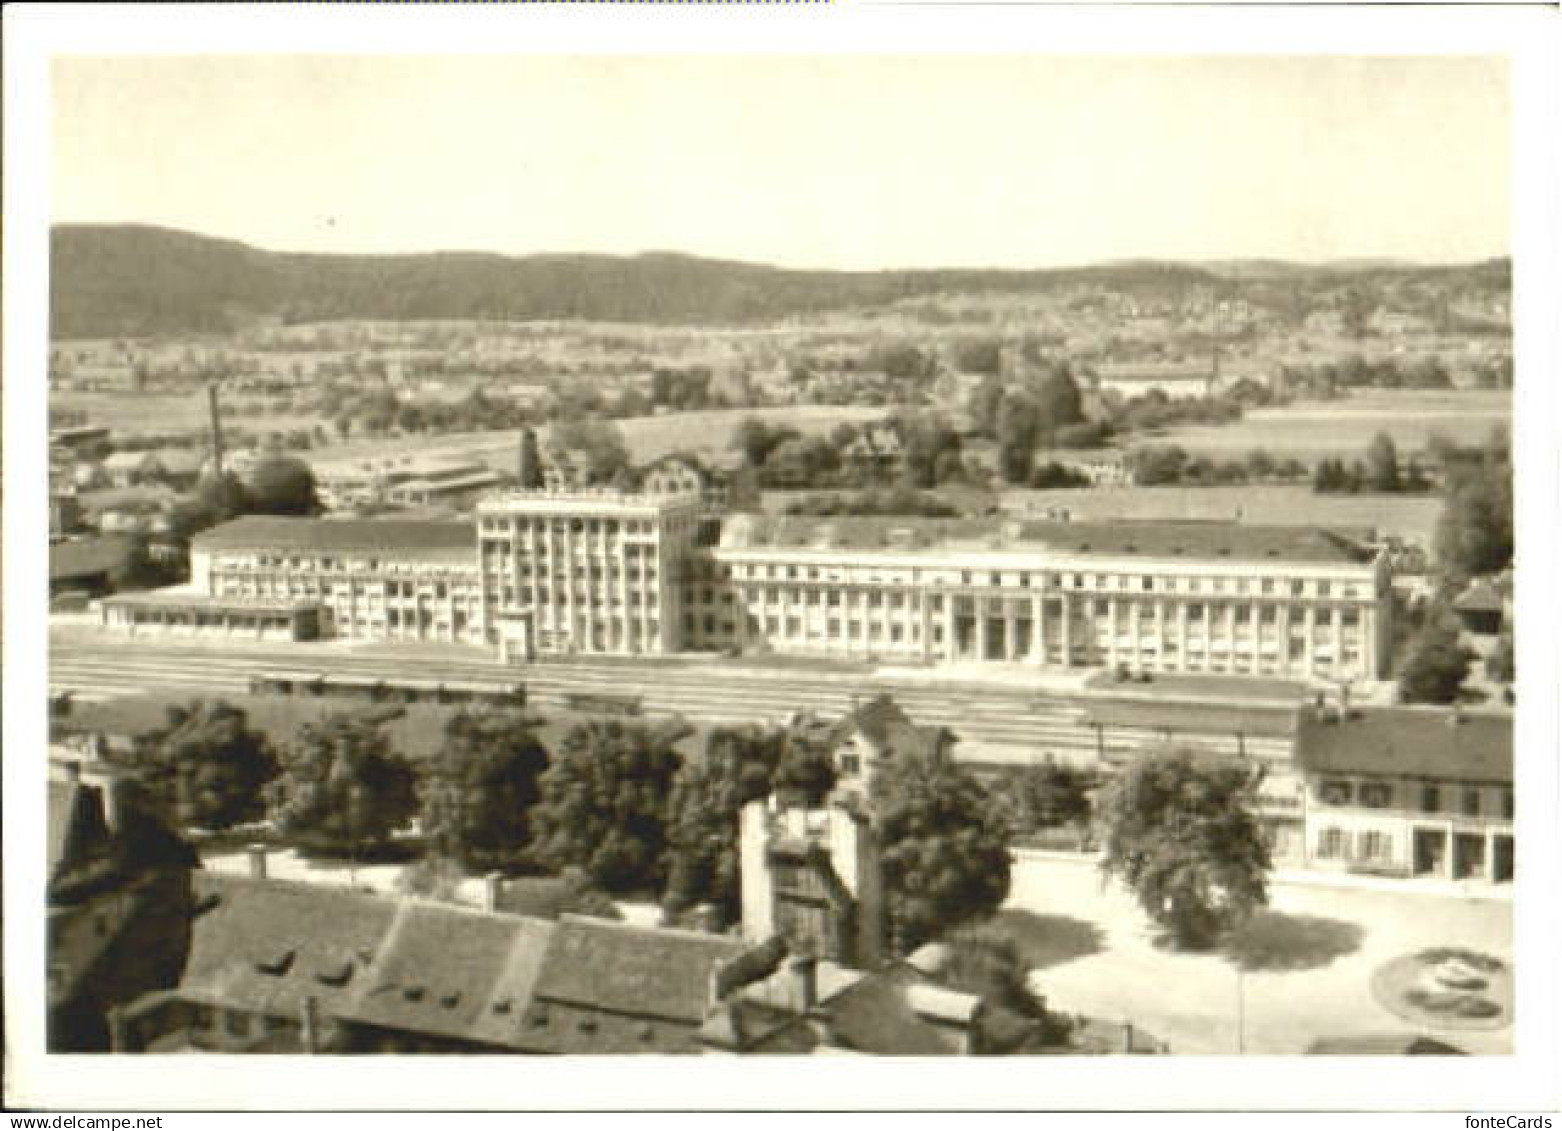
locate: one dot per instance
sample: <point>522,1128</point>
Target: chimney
<point>493,888</point>
<point>216,417</point>
<point>257,861</point>
<point>804,972</point>
<point>309,1024</point>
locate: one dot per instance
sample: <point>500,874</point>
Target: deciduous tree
<point>1182,835</point>
<point>478,788</point>
<point>207,765</point>
<point>342,787</point>
<point>605,800</point>
<point>944,846</point>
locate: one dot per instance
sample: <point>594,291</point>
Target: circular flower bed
<point>1447,988</point>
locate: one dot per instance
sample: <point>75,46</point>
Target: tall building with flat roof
<point>597,571</point>
<point>1202,597</point>
<point>604,571</point>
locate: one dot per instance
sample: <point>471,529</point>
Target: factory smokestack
<point>216,414</point>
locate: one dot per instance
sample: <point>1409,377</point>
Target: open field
<point>1312,430</point>
<point>138,413</point>
<point>1412,517</point>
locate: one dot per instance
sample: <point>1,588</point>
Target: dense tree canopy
<point>605,800</point>
<point>206,766</point>
<point>1182,835</point>
<point>1048,795</point>
<point>739,765</point>
<point>944,843</point>
<point>282,485</point>
<point>1474,533</point>
<point>1436,666</point>
<point>342,787</point>
<point>478,788</point>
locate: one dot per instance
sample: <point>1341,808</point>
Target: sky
<point>856,162</point>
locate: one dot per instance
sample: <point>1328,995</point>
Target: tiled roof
<point>452,972</point>
<point>1196,541</point>
<point>888,728</point>
<point>86,558</point>
<point>264,532</point>
<point>1415,742</point>
<point>634,971</point>
<point>267,945</point>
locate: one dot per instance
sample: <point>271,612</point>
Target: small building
<point>126,469</point>
<point>1485,605</point>
<point>86,565</point>
<point>1103,467</point>
<point>1408,791</point>
<point>1177,380</point>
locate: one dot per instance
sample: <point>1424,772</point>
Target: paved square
<point>1305,965</point>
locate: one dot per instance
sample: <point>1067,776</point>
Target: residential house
<point>126,469</point>
<point>119,899</point>
<point>1409,791</point>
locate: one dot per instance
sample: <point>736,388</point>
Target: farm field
<point>1312,430</point>
<point>1411,517</point>
<point>139,413</point>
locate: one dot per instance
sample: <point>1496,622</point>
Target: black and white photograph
<point>765,553</point>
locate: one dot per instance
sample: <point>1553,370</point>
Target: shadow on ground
<point>1049,940</point>
<point>1272,940</point>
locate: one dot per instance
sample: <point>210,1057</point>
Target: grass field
<point>140,413</point>
<point>1411,517</point>
<point>1312,430</point>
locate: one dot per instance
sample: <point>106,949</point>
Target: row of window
<point>1111,582</point>
<point>1466,801</point>
<point>1373,845</point>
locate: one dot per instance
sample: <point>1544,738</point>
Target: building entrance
<point>1430,849</point>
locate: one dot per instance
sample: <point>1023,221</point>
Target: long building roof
<point>1414,742</point>
<point>404,536</point>
<point>1157,540</point>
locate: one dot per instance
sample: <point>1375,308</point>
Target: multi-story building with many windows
<point>585,571</point>
<point>1409,791</point>
<point>369,579</point>
<point>1201,597</point>
<point>604,571</point>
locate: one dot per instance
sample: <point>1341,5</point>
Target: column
<point>1038,630</point>
<point>1339,641</point>
<point>980,605</point>
<point>1010,642</point>
<point>1068,631</point>
<point>1182,634</point>
<point>950,649</point>
<point>1311,626</point>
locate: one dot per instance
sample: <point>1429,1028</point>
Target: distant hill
<point>133,280</point>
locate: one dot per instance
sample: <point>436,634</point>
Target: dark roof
<point>87,557</point>
<point>888,728</point>
<point>453,972</point>
<point>1161,539</point>
<point>1416,742</point>
<point>267,945</point>
<point>264,532</point>
<point>75,822</point>
<point>876,1015</point>
<point>636,971</point>
<point>1482,596</point>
